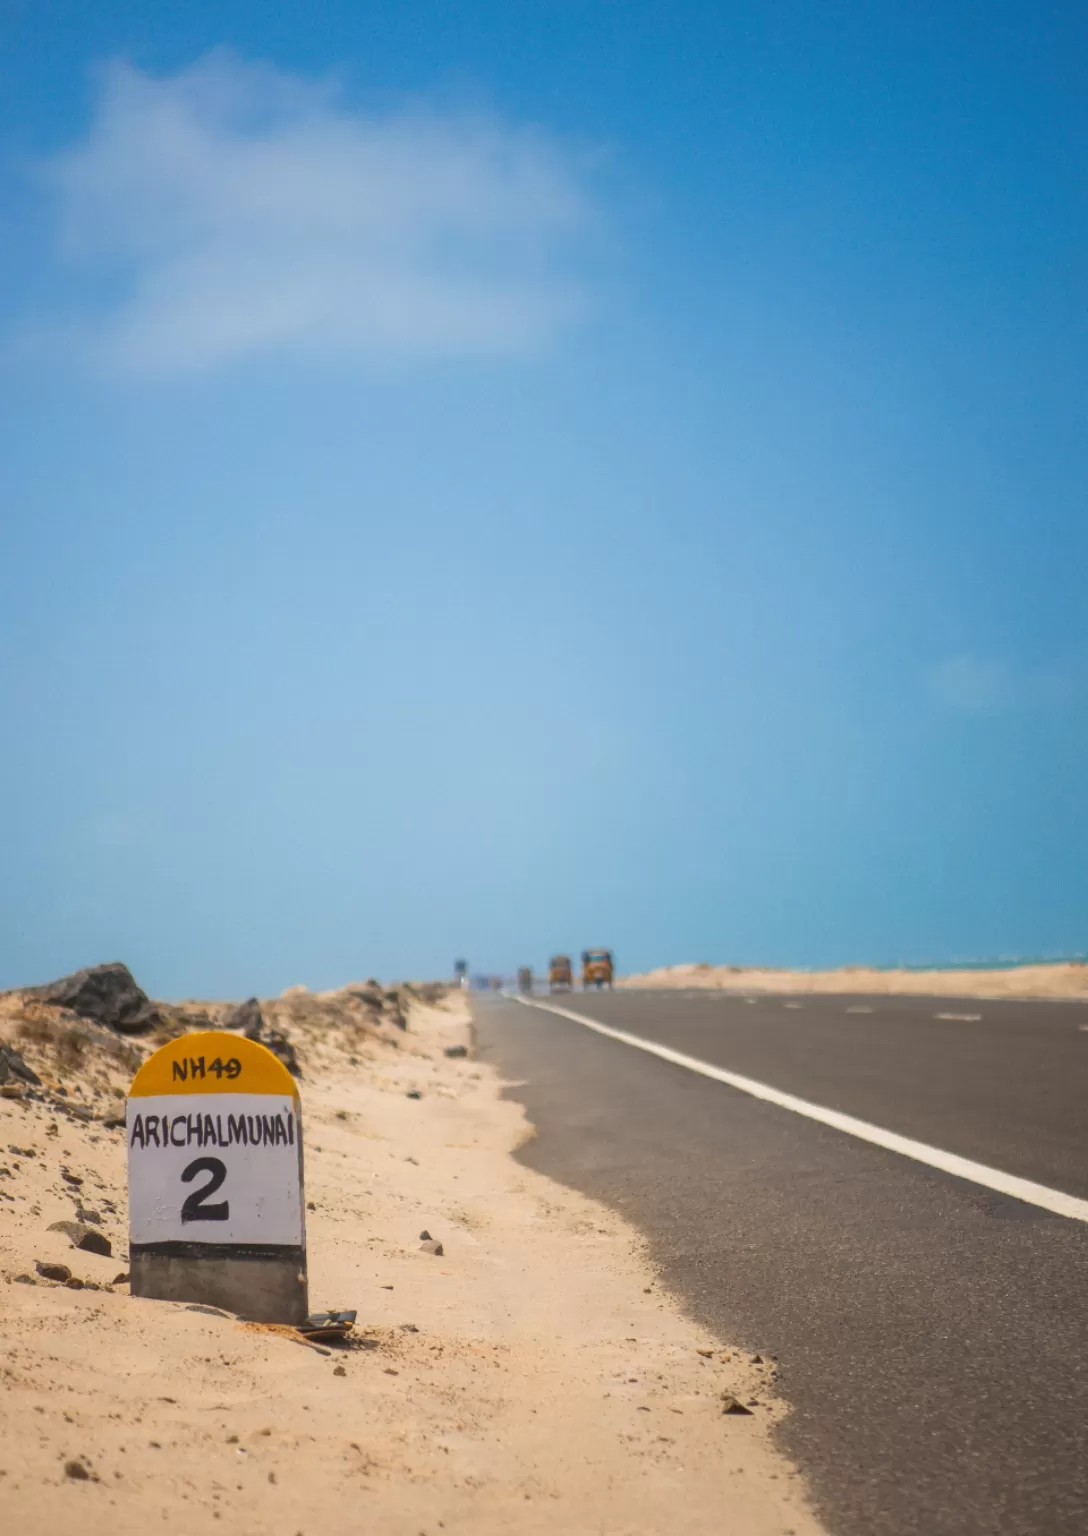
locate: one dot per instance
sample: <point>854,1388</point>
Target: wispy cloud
<point>237,211</point>
<point>983,685</point>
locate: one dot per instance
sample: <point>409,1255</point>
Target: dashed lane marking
<point>966,1018</point>
<point>1054,1200</point>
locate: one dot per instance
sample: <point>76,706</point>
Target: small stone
<point>414,1093</point>
<point>82,1236</point>
<point>232,1439</point>
<point>424,1236</point>
<point>59,1272</point>
<point>409,1328</point>
<point>731,1404</point>
<point>707,1354</point>
<point>432,1247</point>
<point>71,1178</point>
<point>121,1279</point>
<point>74,1284</point>
<point>757,1359</point>
<point>77,1471</point>
<point>339,1371</point>
<point>454,1051</point>
<point>24,1280</point>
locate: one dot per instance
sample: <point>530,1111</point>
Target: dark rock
<point>71,1178</point>
<point>431,1246</point>
<point>108,994</point>
<point>278,1043</point>
<point>74,1284</point>
<point>370,994</point>
<point>22,1151</point>
<point>84,1237</point>
<point>59,1272</point>
<point>248,1018</point>
<point>414,1093</point>
<point>24,1280</point>
<point>731,1404</point>
<point>121,1279</point>
<point>394,1007</point>
<point>424,1236</point>
<point>338,1370</point>
<point>13,1068</point>
<point>456,1050</point>
<point>77,1471</point>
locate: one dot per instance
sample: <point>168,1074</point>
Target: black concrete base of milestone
<point>262,1285</point>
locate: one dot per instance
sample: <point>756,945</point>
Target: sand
<point>1065,980</point>
<point>535,1377</point>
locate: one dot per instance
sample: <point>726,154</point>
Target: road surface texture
<point>932,1334</point>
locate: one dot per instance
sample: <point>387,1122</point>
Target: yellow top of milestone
<point>213,1061</point>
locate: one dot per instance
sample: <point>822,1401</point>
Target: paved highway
<point>932,1331</point>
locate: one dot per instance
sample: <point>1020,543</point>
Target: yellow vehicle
<point>560,974</point>
<point>596,968</point>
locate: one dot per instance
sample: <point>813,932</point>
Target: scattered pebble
<point>432,1247</point>
<point>731,1404</point>
<point>77,1471</point>
<point>339,1371</point>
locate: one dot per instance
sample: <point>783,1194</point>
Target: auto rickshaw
<point>560,974</point>
<point>596,968</point>
<point>525,978</point>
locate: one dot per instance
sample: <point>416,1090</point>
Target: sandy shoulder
<point>1060,980</point>
<point>534,1377</point>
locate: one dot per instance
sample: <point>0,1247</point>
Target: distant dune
<point>1065,979</point>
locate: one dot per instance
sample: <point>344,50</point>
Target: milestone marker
<point>216,1209</point>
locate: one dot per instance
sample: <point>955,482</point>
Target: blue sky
<point>487,479</point>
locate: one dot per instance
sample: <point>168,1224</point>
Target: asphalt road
<point>932,1334</point>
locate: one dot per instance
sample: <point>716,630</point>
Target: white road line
<point>859,1010</point>
<point>934,1157</point>
<point>968,1018</point>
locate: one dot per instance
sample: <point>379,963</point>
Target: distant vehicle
<point>525,978</point>
<point>560,974</point>
<point>596,968</point>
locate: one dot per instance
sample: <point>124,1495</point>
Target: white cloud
<point>982,686</point>
<point>237,211</point>
<point>972,685</point>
